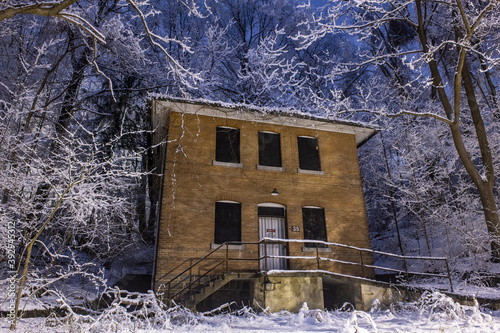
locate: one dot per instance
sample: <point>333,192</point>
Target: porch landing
<point>289,290</point>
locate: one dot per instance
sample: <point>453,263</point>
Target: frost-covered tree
<point>72,131</point>
<point>419,198</point>
<point>427,59</point>
<point>77,75</point>
<point>249,57</point>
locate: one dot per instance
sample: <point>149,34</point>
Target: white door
<point>272,227</point>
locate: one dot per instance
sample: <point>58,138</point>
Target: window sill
<point>213,246</point>
<point>270,168</point>
<point>228,164</point>
<point>311,172</point>
<point>313,249</point>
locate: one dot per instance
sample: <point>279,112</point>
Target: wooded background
<point>77,77</point>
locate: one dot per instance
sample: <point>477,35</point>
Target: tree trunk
<point>490,211</point>
<point>68,106</point>
<point>463,78</point>
<point>485,190</point>
<point>485,187</point>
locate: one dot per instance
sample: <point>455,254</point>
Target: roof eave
<point>362,132</point>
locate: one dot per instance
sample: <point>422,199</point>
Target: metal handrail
<point>355,264</point>
<point>196,280</point>
<point>282,240</point>
<point>318,258</point>
<point>173,269</point>
<point>373,252</point>
<point>196,263</point>
<point>170,286</point>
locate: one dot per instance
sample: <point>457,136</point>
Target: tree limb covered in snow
<point>9,9</point>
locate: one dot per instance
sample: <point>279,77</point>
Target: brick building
<point>245,194</point>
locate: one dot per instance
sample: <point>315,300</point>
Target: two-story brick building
<point>244,176</point>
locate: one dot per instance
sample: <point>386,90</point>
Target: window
<point>314,225</point>
<point>271,211</point>
<point>227,145</point>
<point>227,222</point>
<point>308,153</point>
<point>269,149</point>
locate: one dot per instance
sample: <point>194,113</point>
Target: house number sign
<point>295,228</point>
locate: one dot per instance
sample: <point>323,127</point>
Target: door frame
<point>275,205</point>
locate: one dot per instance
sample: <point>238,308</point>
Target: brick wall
<point>192,185</point>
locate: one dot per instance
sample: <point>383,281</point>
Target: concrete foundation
<point>290,290</point>
<point>285,292</point>
<point>361,294</point>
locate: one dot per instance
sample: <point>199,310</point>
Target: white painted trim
<point>269,168</point>
<point>311,172</point>
<point>228,201</point>
<point>307,137</point>
<point>227,164</point>
<point>240,247</point>
<point>313,207</point>
<point>268,132</point>
<point>228,127</point>
<point>271,204</point>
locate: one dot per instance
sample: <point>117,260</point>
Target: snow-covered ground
<point>434,312</point>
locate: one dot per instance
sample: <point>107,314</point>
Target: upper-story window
<point>308,153</point>
<point>313,219</point>
<point>269,149</point>
<point>227,145</point>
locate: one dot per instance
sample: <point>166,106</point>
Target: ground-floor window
<point>227,222</point>
<point>314,225</point>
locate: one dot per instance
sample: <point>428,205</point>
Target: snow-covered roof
<point>277,116</point>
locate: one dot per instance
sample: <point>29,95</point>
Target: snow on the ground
<point>434,312</point>
<point>460,287</point>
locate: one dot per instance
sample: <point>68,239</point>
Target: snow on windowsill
<point>228,164</point>
<point>311,172</point>
<point>269,168</point>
